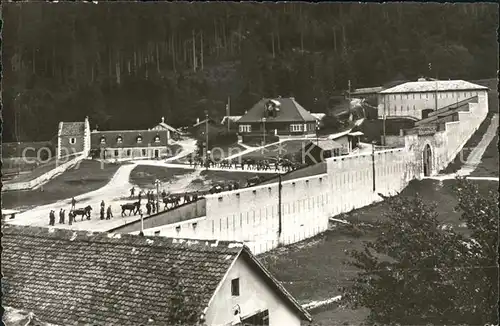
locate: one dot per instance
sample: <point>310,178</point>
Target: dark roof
<point>290,111</point>
<point>129,138</point>
<point>72,128</point>
<point>69,277</point>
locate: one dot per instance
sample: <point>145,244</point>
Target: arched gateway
<point>427,157</point>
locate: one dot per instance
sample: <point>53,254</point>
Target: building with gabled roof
<point>172,133</point>
<point>68,278</point>
<point>279,117</point>
<point>120,144</point>
<point>416,99</point>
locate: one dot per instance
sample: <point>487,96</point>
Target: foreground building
<point>417,99</point>
<point>69,278</point>
<point>73,138</point>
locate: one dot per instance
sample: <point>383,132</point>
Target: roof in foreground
<point>67,277</point>
<point>430,86</point>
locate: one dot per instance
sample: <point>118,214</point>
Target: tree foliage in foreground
<point>418,273</point>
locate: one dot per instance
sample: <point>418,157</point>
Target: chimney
<point>197,120</point>
<point>163,119</point>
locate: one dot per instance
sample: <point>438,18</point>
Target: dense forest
<point>126,65</point>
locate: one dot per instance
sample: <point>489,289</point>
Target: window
<point>296,127</point>
<point>195,225</point>
<point>119,140</point>
<point>116,153</point>
<point>245,128</point>
<point>143,152</point>
<point>139,139</point>
<point>103,140</point>
<point>128,152</point>
<point>260,318</point>
<point>72,140</point>
<point>157,232</point>
<point>178,228</point>
<point>157,139</point>
<point>413,96</point>
<point>235,287</point>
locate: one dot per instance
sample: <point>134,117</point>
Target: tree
<point>417,273</point>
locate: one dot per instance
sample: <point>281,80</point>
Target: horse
<point>216,189</point>
<point>83,212</point>
<point>131,207</point>
<point>172,199</point>
<point>253,181</point>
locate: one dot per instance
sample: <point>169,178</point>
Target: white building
<point>416,99</point>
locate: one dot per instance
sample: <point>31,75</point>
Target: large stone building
<point>79,278</point>
<point>417,99</point>
<point>279,117</point>
<point>119,144</point>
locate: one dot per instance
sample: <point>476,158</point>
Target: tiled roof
<point>430,86</point>
<point>367,90</point>
<point>72,128</point>
<point>166,126</point>
<point>129,138</point>
<point>290,111</point>
<point>68,277</point>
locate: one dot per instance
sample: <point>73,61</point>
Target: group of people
<point>245,164</point>
<point>71,215</point>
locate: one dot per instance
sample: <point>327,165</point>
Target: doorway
<point>427,160</point>
<point>157,153</point>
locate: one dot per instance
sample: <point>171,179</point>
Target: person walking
<point>139,196</point>
<point>102,212</point>
<point>109,214</point>
<point>148,208</point>
<point>61,216</point>
<point>52,218</point>
<point>103,205</point>
<point>132,192</point>
<point>73,203</point>
<point>153,206</point>
<point>71,217</point>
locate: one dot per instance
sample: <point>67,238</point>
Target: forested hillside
<point>126,65</point>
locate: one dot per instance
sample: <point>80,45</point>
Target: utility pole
<point>383,120</point>
<point>206,139</point>
<point>280,227</point>
<point>373,163</point>
<point>436,94</point>
<point>228,110</point>
<point>264,131</point>
<point>349,99</point>
<point>157,183</point>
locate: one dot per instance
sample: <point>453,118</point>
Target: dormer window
<point>139,139</point>
<point>157,139</point>
<point>119,140</point>
<point>103,140</point>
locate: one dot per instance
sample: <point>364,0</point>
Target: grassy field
<point>473,141</point>
<point>314,269</point>
<point>87,176</point>
<point>145,175</point>
<point>489,162</point>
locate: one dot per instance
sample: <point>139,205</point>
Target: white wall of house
<point>412,104</point>
<point>255,296</point>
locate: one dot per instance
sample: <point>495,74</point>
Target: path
<point>114,193</point>
<point>474,157</point>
